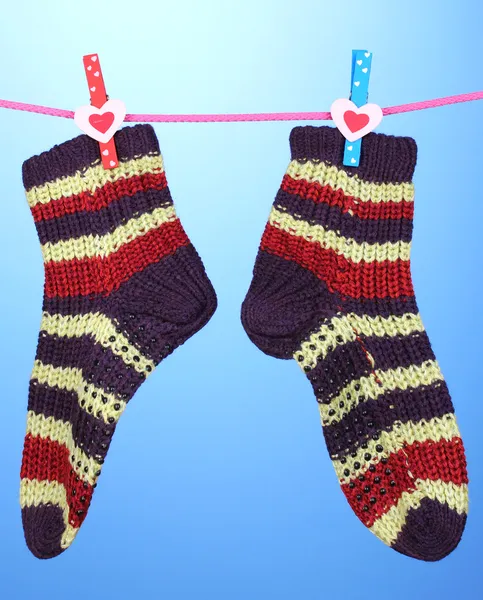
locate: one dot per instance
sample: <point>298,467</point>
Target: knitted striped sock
<point>123,288</point>
<point>332,288</point>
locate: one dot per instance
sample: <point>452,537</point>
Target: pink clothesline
<point>225,118</point>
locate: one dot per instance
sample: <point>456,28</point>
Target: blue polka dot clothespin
<point>354,118</point>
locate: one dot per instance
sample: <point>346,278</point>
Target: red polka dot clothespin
<point>103,117</point>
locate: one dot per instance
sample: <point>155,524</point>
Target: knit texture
<point>332,288</point>
<point>124,287</point>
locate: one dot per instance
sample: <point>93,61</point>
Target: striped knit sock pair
<point>332,288</point>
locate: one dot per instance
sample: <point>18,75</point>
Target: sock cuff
<point>82,151</point>
<point>384,158</point>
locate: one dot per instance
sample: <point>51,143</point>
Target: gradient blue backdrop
<point>218,484</point>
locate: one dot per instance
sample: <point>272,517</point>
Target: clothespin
<point>354,118</point>
<point>101,119</point>
<point>361,72</point>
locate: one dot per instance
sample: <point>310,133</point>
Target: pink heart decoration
<point>100,123</point>
<point>353,122</point>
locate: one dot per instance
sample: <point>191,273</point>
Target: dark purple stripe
<point>78,305</point>
<point>81,152</point>
<point>431,531</point>
<point>350,226</point>
<point>385,307</point>
<point>99,365</point>
<point>104,220</point>
<point>346,363</point>
<point>387,352</point>
<point>89,433</point>
<point>384,158</point>
<point>371,416</point>
<point>400,351</point>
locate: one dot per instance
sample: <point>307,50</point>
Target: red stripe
<point>46,460</point>
<point>443,460</point>
<point>81,277</point>
<point>355,280</point>
<point>363,209</point>
<point>101,198</point>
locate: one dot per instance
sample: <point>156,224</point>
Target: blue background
<point>218,484</point>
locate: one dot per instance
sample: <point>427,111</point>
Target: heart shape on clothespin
<point>353,122</point>
<point>100,123</point>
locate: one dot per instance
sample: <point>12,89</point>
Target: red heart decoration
<point>102,122</point>
<point>354,121</point>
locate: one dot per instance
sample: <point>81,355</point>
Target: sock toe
<point>43,527</point>
<point>431,532</point>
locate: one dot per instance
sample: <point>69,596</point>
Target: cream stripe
<point>346,247</point>
<point>34,493</point>
<point>338,179</point>
<point>71,379</point>
<point>390,326</point>
<point>88,246</point>
<point>61,432</point>
<point>388,527</point>
<point>434,430</point>
<point>89,180</point>
<point>368,388</point>
<point>345,329</point>
<point>102,329</point>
